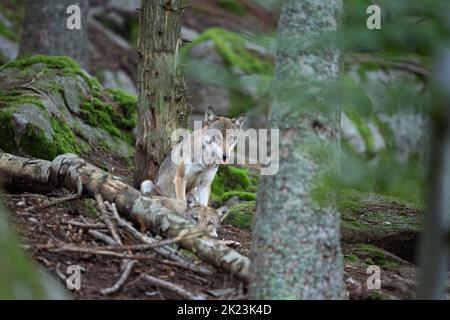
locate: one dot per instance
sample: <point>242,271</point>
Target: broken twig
<point>180,291</point>
<point>123,278</point>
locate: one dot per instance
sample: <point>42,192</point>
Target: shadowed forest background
<point>363,116</point>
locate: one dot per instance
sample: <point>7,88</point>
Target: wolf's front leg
<point>180,182</point>
<point>204,187</point>
<point>203,194</point>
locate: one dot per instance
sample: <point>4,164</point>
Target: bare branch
<point>180,291</point>
<point>123,278</point>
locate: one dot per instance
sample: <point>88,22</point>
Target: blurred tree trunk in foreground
<point>434,254</point>
<point>19,279</point>
<point>296,241</point>
<point>45,30</point>
<point>162,101</point>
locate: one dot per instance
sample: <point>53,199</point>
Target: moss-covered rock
<point>49,106</point>
<point>234,50</point>
<point>227,70</point>
<point>230,179</point>
<point>372,219</point>
<point>386,222</point>
<point>372,255</point>
<point>241,215</point>
<point>241,195</point>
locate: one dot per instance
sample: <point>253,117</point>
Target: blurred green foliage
<point>411,30</point>
<point>19,279</point>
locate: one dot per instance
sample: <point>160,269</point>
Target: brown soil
<point>40,227</point>
<point>44,226</point>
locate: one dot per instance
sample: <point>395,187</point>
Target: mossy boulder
<point>227,70</point>
<point>236,188</point>
<point>232,181</point>
<point>49,106</point>
<point>386,222</point>
<point>241,215</point>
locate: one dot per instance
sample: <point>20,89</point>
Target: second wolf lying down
<point>205,218</point>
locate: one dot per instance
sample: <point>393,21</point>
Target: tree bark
<point>296,240</point>
<point>434,251</point>
<point>45,31</point>
<point>71,172</point>
<point>162,101</point>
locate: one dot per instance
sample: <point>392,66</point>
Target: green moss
<point>62,64</point>
<point>364,130</point>
<point>233,6</point>
<point>246,196</point>
<point>64,139</point>
<point>6,131</point>
<point>97,114</point>
<point>17,98</point>
<point>229,178</point>
<point>367,215</point>
<point>34,140</point>
<point>351,258</point>
<point>375,256</point>
<point>117,115</point>
<point>113,110</point>
<point>8,33</point>
<point>241,215</point>
<point>375,295</point>
<point>231,46</point>
<point>128,107</point>
<point>240,103</point>
<point>385,131</point>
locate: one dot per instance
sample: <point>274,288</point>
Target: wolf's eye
<point>212,139</point>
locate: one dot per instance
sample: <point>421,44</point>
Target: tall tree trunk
<point>162,104</point>
<point>434,252</point>
<point>296,241</point>
<point>45,30</point>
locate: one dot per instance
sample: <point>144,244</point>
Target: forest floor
<point>39,227</point>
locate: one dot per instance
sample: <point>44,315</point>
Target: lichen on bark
<point>296,242</point>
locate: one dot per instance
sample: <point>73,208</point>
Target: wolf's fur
<point>206,218</point>
<point>217,139</point>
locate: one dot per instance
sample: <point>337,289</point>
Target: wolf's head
<point>220,135</point>
<point>206,218</point>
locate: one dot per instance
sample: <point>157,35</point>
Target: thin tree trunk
<point>45,31</point>
<point>162,104</point>
<point>296,241</point>
<point>434,254</point>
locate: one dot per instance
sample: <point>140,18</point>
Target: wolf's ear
<point>239,121</point>
<point>190,201</point>
<point>210,115</point>
<point>223,212</point>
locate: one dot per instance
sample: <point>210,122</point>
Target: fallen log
<point>158,213</point>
